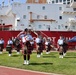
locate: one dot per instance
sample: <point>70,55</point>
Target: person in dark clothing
<point>17,45</point>
<point>39,45</point>
<point>9,46</point>
<point>1,45</point>
<point>65,46</point>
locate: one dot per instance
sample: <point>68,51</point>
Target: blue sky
<point>6,1</point>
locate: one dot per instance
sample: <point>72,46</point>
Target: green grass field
<point>50,63</point>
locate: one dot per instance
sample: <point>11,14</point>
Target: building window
<point>56,1</point>
<point>60,17</point>
<point>30,27</point>
<point>58,26</point>
<point>60,8</point>
<point>52,1</point>
<point>24,16</point>
<point>40,26</point>
<point>64,1</point>
<point>43,7</point>
<point>60,1</point>
<point>28,7</point>
<point>45,17</point>
<point>74,9</point>
<point>38,16</point>
<point>48,27</point>
<point>15,4</point>
<point>73,27</point>
<point>68,2</point>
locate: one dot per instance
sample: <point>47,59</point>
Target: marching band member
<point>32,43</point>
<point>48,45</point>
<point>17,45</point>
<point>65,46</point>
<point>60,46</point>
<point>39,45</point>
<point>27,50</point>
<point>1,45</point>
<point>9,46</point>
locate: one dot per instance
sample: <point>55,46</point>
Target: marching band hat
<point>25,30</point>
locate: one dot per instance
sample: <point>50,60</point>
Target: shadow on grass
<point>16,55</point>
<point>49,56</point>
<point>70,57</point>
<point>41,63</point>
